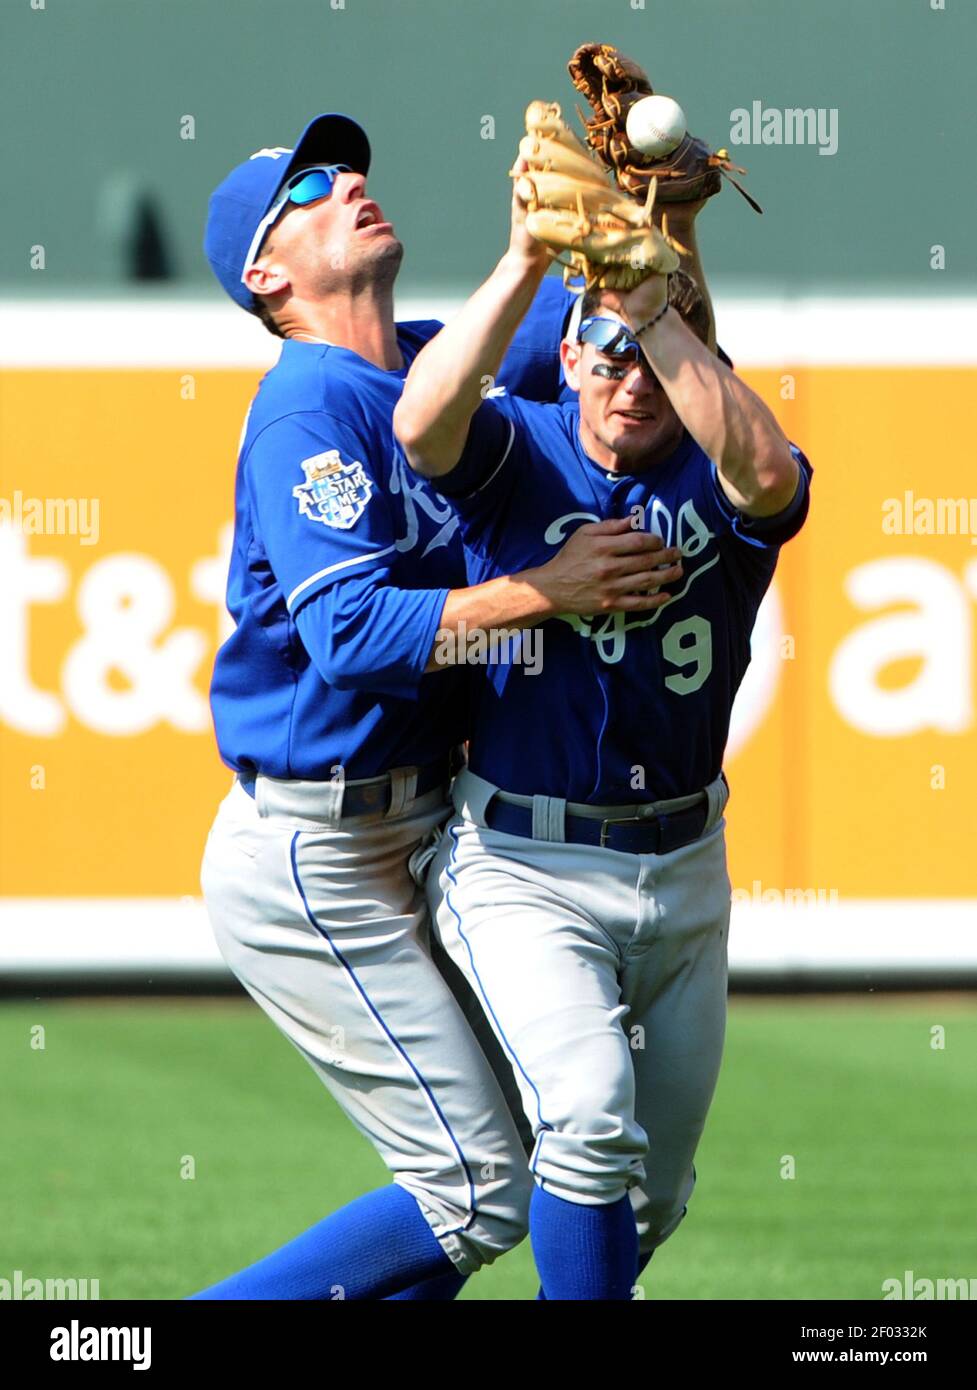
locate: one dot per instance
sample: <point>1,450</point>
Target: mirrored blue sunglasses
<point>610,336</point>
<point>307,186</point>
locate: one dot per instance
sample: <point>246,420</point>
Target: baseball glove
<point>575,208</point>
<point>612,84</point>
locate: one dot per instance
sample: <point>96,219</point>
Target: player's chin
<point>385,250</point>
<point>380,236</point>
<point>374,245</point>
<point>631,436</point>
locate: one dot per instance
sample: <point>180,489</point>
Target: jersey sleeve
<point>763,532</point>
<point>494,454</point>
<point>318,508</point>
<point>531,367</point>
<point>362,634</point>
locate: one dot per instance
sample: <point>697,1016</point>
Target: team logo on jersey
<point>420,499</point>
<point>687,531</point>
<point>334,492</point>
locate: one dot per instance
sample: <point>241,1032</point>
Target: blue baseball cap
<point>241,201</point>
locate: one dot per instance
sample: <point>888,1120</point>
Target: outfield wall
<point>853,754</point>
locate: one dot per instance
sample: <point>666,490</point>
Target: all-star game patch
<point>334,492</point>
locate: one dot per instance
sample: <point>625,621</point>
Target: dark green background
<point>92,92</point>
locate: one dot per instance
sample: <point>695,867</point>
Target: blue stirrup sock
<point>376,1246</point>
<point>583,1252</point>
<point>642,1264</point>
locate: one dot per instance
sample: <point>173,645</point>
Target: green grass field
<point>881,1127</point>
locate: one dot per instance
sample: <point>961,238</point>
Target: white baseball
<point>656,125</point>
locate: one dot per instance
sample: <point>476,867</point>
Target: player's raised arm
<point>681,225</point>
<point>446,382</point>
<point>757,470</point>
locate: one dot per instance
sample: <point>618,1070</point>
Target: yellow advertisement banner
<point>853,757</point>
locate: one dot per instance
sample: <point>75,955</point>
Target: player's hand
<point>522,246</point>
<point>642,303</point>
<point>608,566</point>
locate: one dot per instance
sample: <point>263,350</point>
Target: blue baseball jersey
<point>341,562</point>
<point>621,707</point>
<point>531,368</point>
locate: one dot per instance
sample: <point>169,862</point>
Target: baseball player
<point>340,726</point>
<point>581,885</point>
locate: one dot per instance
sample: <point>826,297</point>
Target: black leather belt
<point>373,795</point>
<point>646,833</point>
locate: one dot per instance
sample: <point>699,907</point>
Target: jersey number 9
<point>688,644</point>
